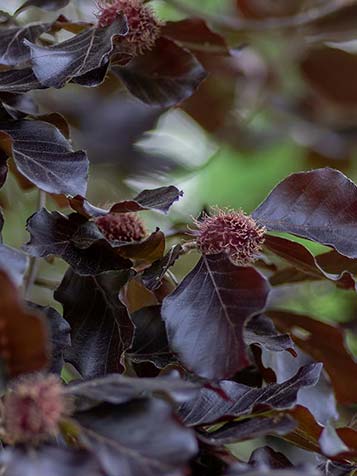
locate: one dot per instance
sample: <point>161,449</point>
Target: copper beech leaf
<point>13,51</point>
<point>18,81</point>
<point>304,262</point>
<point>119,389</point>
<point>194,33</point>
<point>136,438</point>
<point>24,344</point>
<point>250,428</point>
<point>18,106</point>
<point>60,338</point>
<point>153,276</point>
<point>269,457</point>
<point>330,71</point>
<point>240,400</point>
<point>159,199</point>
<point>326,343</point>
<point>320,205</point>
<point>101,330</point>
<point>164,76</point>
<point>45,157</point>
<point>261,331</point>
<point>279,367</point>
<point>150,339</point>
<point>269,462</point>
<point>49,460</point>
<point>206,314</point>
<point>312,436</point>
<point>53,233</point>
<point>83,58</point>
<point>49,5</point>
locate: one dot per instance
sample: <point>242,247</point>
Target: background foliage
<point>284,101</point>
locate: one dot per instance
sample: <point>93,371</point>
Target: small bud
<point>144,27</point>
<point>121,227</point>
<point>33,407</point>
<point>232,232</point>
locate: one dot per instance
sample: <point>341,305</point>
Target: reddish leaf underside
<point>23,333</point>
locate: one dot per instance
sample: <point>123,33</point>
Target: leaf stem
<point>34,260</point>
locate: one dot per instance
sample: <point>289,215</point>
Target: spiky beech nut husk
<point>122,227</point>
<point>33,408</point>
<point>232,232</point>
<point>144,27</point>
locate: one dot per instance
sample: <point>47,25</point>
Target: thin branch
<point>244,24</point>
<point>34,261</point>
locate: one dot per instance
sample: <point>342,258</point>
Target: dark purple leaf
<point>330,443</point>
<point>158,199</point>
<point>118,389</point>
<point>110,136</point>
<point>250,428</point>
<point>87,236</point>
<point>49,5</point>
<point>308,434</point>
<point>301,258</point>
<point>153,276</point>
<point>270,470</point>
<point>267,457</point>
<point>334,468</point>
<point>18,81</point>
<point>78,56</point>
<point>150,339</point>
<point>146,251</point>
<point>320,205</point>
<point>289,275</point>
<point>49,460</point>
<point>23,333</point>
<point>212,461</point>
<point>3,176</point>
<point>260,330</point>
<point>324,342</point>
<point>141,437</point>
<point>333,262</point>
<point>319,399</point>
<point>194,34</point>
<point>210,407</point>
<point>92,78</point>
<point>60,336</point>
<point>18,106</point>
<point>13,51</point>
<point>271,463</point>
<point>45,157</point>
<point>101,330</point>
<point>206,314</point>
<point>14,263</point>
<point>164,76</point>
<point>329,71</point>
<point>52,234</point>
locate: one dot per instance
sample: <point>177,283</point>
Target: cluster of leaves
<point>165,375</point>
